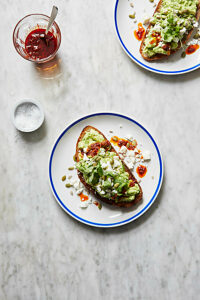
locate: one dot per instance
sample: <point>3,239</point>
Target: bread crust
<point>138,197</point>
<point>161,56</point>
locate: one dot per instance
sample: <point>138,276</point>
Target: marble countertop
<point>44,253</point>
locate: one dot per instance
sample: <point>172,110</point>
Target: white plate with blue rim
<point>61,158</point>
<point>125,27</point>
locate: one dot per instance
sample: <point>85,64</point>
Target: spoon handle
<point>54,13</point>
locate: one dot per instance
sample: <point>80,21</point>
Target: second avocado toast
<point>171,26</point>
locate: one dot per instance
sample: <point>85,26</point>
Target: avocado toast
<point>170,27</point>
<point>102,171</point>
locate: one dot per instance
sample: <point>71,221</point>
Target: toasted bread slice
<point>119,203</point>
<point>161,56</point>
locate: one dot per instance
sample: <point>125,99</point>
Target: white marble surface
<point>44,253</point>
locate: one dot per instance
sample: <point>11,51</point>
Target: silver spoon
<point>54,13</point>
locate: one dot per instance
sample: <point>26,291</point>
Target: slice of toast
<point>119,203</point>
<point>161,56</point>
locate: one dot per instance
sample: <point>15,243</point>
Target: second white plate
<point>125,27</point>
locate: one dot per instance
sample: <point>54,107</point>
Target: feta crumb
<point>129,137</point>
<point>129,163</point>
<point>116,163</point>
<point>84,204</point>
<point>84,150</point>
<point>147,155</point>
<point>79,191</point>
<point>85,157</point>
<point>123,150</point>
<point>130,153</point>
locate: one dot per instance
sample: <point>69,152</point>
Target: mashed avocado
<point>105,171</point>
<point>91,136</point>
<point>170,25</point>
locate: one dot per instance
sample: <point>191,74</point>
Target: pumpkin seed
<point>71,168</point>
<point>134,143</point>
<point>183,54</point>
<point>64,178</point>
<point>132,16</point>
<point>68,185</point>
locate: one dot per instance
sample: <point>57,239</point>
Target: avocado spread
<point>169,26</point>
<point>105,171</point>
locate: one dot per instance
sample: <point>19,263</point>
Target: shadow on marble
<point>49,70</point>
<point>170,78</point>
<point>36,136</point>
<point>119,230</point>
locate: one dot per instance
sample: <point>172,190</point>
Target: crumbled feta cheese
<point>84,204</point>
<point>146,155</point>
<point>98,188</point>
<point>102,151</point>
<point>183,30</point>
<point>84,150</point>
<point>102,192</point>
<point>129,163</point>
<point>196,25</point>
<point>129,137</point>
<point>79,191</point>
<point>132,159</point>
<point>130,153</point>
<point>123,150</point>
<point>85,157</point>
<point>175,39</point>
<point>116,163</point>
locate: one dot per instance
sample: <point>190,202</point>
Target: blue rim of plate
<point>142,64</point>
<point>105,224</point>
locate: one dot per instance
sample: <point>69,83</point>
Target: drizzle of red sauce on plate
<point>83,197</point>
<point>123,142</point>
<point>191,49</point>
<point>139,33</point>
<point>141,171</point>
<point>38,45</point>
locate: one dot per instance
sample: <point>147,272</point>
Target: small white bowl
<point>27,115</point>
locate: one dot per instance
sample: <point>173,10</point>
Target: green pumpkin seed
<point>132,16</point>
<point>68,185</point>
<point>183,54</point>
<point>64,178</point>
<point>71,168</point>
